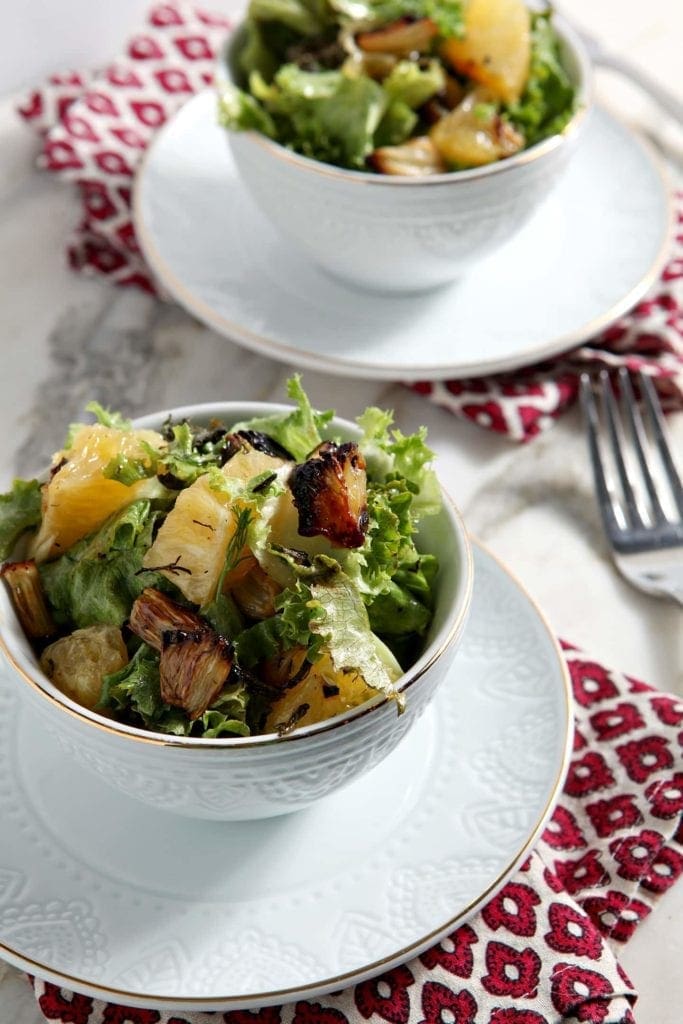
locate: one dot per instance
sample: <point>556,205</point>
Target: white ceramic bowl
<point>401,234</point>
<point>234,779</point>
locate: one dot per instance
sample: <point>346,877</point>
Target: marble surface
<point>66,339</point>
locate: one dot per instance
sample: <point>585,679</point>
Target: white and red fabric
<point>544,950</point>
<point>95,127</point>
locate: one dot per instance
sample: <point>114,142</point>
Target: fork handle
<point>666,99</point>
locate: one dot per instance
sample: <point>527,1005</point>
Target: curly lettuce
<point>19,512</point>
<point>97,580</point>
<point>547,104</point>
<point>298,431</point>
<point>134,693</point>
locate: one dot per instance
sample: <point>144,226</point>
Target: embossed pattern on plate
<point>104,895</point>
<point>590,251</point>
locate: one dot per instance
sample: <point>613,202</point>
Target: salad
<point>407,87</point>
<point>229,579</point>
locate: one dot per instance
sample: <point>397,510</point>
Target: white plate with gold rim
<point>591,250</point>
<point>106,896</point>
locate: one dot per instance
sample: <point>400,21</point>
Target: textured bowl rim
<point>584,102</point>
<point>447,635</point>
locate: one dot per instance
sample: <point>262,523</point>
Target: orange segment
<point>78,498</point>
<point>325,690</point>
<point>194,539</point>
<point>496,48</point>
<point>195,535</point>
<point>468,137</point>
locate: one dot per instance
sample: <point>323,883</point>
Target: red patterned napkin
<point>96,126</point>
<point>542,951</point>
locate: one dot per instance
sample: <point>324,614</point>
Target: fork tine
<point>591,415</point>
<point>635,422</point>
<point>612,413</point>
<point>657,419</point>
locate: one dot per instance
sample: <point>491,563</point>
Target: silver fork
<point>638,487</point>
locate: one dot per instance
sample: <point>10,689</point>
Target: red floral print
<point>636,685</point>
<point>111,162</point>
<point>513,909</point>
<point>614,814</point>
<point>65,1007</point>
<point>511,972</point>
<point>591,682</point>
<point>668,710</point>
<point>616,721</point>
<point>436,999</point>
<point>615,915</point>
<point>573,991</point>
<point>96,200</point>
<point>563,832</point>
<point>588,774</point>
<point>486,414</point>
<point>552,881</point>
<point>665,868</point>
<point>173,80</point>
<point>642,758</point>
<point>586,872</point>
<point>511,1016</point>
<point>149,113</point>
<point>666,798</point>
<point>144,48</point>
<point>194,48</point>
<point>129,1015</point>
<point>634,853</point>
<point>580,742</point>
<point>165,14</point>
<point>268,1015</point>
<point>387,996</point>
<point>314,1013</point>
<point>453,953</point>
<point>572,932</point>
<point>61,156</point>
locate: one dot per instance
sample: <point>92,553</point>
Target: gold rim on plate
<point>327,985</point>
<point>384,370</point>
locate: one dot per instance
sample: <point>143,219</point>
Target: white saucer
<point>590,252</point>
<point>103,895</point>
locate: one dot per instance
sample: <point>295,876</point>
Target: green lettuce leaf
<point>305,17</point>
<point>129,471</point>
<point>19,512</point>
<point>389,543</point>
<point>133,694</point>
<point>389,452</point>
<point>447,14</point>
<point>291,626</point>
<point>324,115</point>
<point>135,688</point>
<point>396,611</point>
<point>223,614</point>
<point>414,84</point>
<point>547,103</point>
<point>344,627</point>
<point>98,579</point>
<point>396,125</point>
<point>239,111</point>
<point>106,417</point>
<point>298,431</point>
<point>190,452</point>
